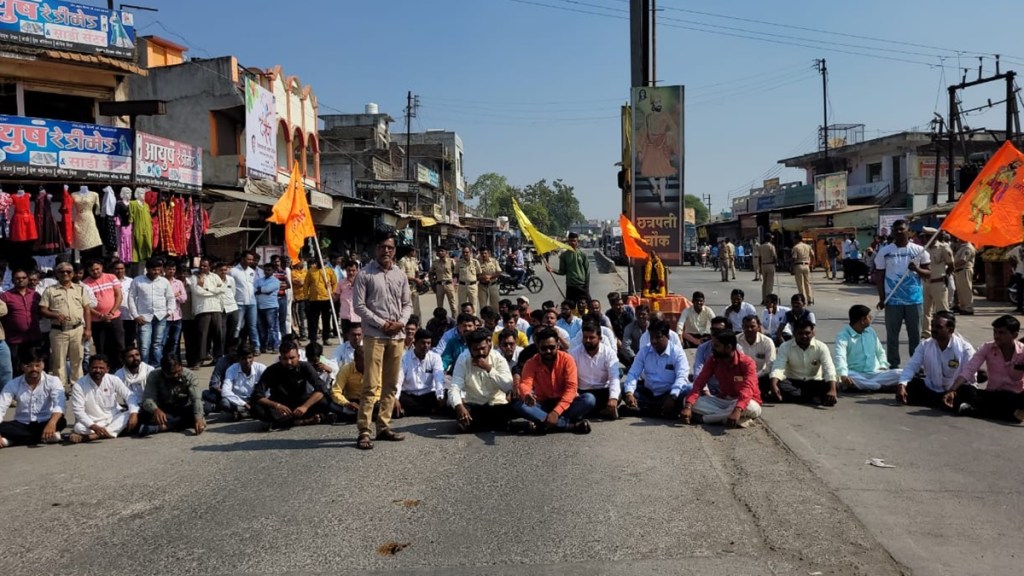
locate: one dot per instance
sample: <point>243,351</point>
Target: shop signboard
<point>377,187</point>
<point>167,163</point>
<point>885,222</point>
<point>260,131</point>
<point>67,150</point>
<point>60,25</point>
<point>830,191</point>
<point>767,202</point>
<point>658,153</point>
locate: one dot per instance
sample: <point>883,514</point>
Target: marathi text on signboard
<point>657,148</point>
<point>66,26</point>
<point>167,163</point>
<point>375,187</point>
<point>260,131</point>
<point>830,191</point>
<point>57,149</point>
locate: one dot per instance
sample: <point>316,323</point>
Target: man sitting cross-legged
<point>172,399</point>
<point>803,370</point>
<point>738,399</point>
<point>597,367</point>
<point>703,353</point>
<point>940,360</point>
<point>39,415</point>
<point>134,371</point>
<point>754,343</point>
<point>290,392</point>
<point>240,381</point>
<point>481,382</point>
<point>548,391</point>
<point>663,368</point>
<point>421,383</point>
<point>859,356</point>
<point>344,399</point>
<point>96,400</point>
<point>1003,395</point>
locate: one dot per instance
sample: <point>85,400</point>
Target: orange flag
<point>989,213</point>
<point>632,243</point>
<point>292,211</point>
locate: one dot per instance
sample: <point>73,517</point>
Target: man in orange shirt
<point>548,391</point>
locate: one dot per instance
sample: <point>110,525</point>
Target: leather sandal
<point>364,442</point>
<point>390,436</point>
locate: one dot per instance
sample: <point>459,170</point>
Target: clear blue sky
<point>535,91</point>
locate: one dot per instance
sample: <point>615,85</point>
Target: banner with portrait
<point>657,161</point>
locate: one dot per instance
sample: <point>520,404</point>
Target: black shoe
<point>581,427</point>
<point>522,427</point>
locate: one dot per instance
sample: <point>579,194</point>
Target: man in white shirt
<point>738,310</point>
<point>39,415</point>
<point>694,325</point>
<point>940,358</point>
<point>96,401</point>
<point>346,351</point>
<point>206,290</point>
<point>903,266</point>
<point>244,275</point>
<point>772,317</point>
<point>508,346</point>
<point>127,322</point>
<point>481,382</point>
<point>134,371</point>
<point>150,300</point>
<point>421,388</point>
<point>597,371</point>
<point>755,344</point>
<point>239,382</point>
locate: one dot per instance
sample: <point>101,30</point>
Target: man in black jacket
<point>290,392</point>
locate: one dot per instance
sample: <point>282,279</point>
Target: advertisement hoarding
<point>657,147</point>
<point>260,131</point>
<point>168,163</point>
<point>58,149</point>
<point>66,26</point>
<point>830,191</point>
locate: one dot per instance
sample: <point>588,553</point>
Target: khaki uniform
<point>767,258</point>
<point>936,293</point>
<point>443,272</point>
<point>411,269</point>
<point>802,258</point>
<point>963,275</point>
<point>467,271</point>
<point>66,340</point>
<point>755,256</point>
<point>489,292</point>
<point>728,261</point>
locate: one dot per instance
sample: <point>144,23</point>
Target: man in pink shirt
<point>346,310</point>
<point>738,399</point>
<point>1003,396</point>
<point>107,329</point>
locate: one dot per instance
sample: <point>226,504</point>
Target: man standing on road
<point>803,260</point>
<point>548,390</point>
<point>321,283</point>
<point>936,293</point>
<point>150,301</point>
<point>481,383</point>
<point>467,269</point>
<point>442,273</point>
<point>768,258</point>
<point>343,296</point>
<point>244,275</point>
<point>941,358</point>
<point>859,356</point>
<point>901,266</point>
<point>383,301</point>
<point>597,367</point>
<point>664,369</point>
<point>729,260</point>
<point>1003,396</point>
<point>107,330</point>
<point>411,266</point>
<point>21,323</point>
<point>290,392</point>
<point>267,308</point>
<point>575,266</point>
<point>803,370</point>
<point>963,276</point>
<point>172,399</point>
<point>68,307</point>
<point>755,258</point>
<point>490,271</point>
<point>738,400</point>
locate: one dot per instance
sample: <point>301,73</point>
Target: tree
<point>552,208</point>
<point>700,209</point>
<point>493,194</point>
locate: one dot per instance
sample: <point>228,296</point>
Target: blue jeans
<point>247,320</point>
<point>537,413</point>
<point>268,328</point>
<point>173,340</point>
<point>895,317</point>
<point>282,318</point>
<point>6,366</point>
<point>151,337</point>
<point>832,265</point>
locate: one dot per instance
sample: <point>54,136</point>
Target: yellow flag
<point>292,211</point>
<point>542,242</point>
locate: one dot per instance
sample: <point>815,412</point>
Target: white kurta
<point>101,404</point>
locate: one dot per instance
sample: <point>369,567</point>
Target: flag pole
<point>553,279</point>
<point>908,271</point>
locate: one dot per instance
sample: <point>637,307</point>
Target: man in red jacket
<point>738,399</point>
<point>548,391</point>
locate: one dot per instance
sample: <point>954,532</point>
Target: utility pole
<point>654,43</point>
<point>707,200</point>
<point>411,106</point>
<point>823,70</point>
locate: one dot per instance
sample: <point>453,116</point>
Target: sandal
<point>389,435</point>
<point>364,442</point>
<point>582,427</point>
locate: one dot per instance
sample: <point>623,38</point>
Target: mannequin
<point>87,235</point>
<point>124,226</point>
<point>23,225</point>
<point>5,213</point>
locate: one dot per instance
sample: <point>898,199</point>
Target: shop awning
<point>222,231</point>
<point>241,196</point>
<point>96,60</point>
<point>846,210</point>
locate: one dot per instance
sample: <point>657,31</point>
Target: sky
<point>534,87</point>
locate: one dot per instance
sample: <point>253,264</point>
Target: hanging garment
<point>5,208</point>
<point>108,232</point>
<point>87,235</point>
<point>200,222</point>
<point>187,225</point>
<point>165,225</point>
<point>109,202</point>
<point>124,232</point>
<point>178,234</point>
<point>152,199</point>
<point>142,231</point>
<point>23,225</point>
<point>66,210</point>
<point>50,239</point>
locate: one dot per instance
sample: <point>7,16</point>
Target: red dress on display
<point>23,225</point>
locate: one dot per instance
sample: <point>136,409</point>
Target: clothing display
<point>66,210</point>
<point>87,235</point>
<point>23,224</point>
<point>124,232</point>
<point>142,231</point>
<point>50,239</point>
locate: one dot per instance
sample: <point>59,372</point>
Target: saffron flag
<point>989,213</point>
<point>542,242</point>
<point>632,243</point>
<point>292,210</point>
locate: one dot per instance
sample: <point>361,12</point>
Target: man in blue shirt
<point>453,343</point>
<point>705,351</point>
<point>267,308</point>
<point>902,265</point>
<point>664,370</point>
<point>568,322</point>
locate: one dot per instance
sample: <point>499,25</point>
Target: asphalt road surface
<point>788,496</point>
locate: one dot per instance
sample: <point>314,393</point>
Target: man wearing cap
<point>936,293</point>
<point>68,307</point>
<point>442,272</point>
<point>575,266</point>
<point>467,270</point>
<point>768,257</point>
<point>803,260</point>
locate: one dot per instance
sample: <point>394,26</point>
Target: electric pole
<point>411,106</point>
<point>823,70</point>
<point>707,201</point>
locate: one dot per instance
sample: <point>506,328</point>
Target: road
<point>787,496</point>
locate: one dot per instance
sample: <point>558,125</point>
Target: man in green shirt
<point>172,400</point>
<point>575,266</point>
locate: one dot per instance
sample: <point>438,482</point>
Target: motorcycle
<point>423,286</point>
<point>507,284</point>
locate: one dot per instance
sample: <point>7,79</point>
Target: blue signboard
<point>766,202</point>
<point>69,150</point>
<point>66,26</point>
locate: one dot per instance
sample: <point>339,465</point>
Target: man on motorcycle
<point>519,267</point>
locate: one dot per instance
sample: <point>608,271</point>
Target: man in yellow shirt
<point>346,389</point>
<point>319,286</point>
<point>299,298</point>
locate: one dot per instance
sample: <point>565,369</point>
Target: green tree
<point>493,194</point>
<point>558,200</point>
<point>700,209</point>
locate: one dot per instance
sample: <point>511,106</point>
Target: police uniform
<point>936,293</point>
<point>442,272</point>
<point>411,267</point>
<point>467,271</point>
<point>767,261</point>
<point>489,290</point>
<point>802,258</point>
<point>66,339</point>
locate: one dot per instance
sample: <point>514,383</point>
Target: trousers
<point>468,293</point>
<point>108,339</point>
<point>445,291</point>
<point>115,425</point>
<point>715,410</point>
<point>318,311</point>
<point>994,404</point>
<point>20,434</point>
<point>383,359</point>
<point>537,413</point>
<point>248,325</point>
<point>489,296</point>
<point>895,316</point>
<point>965,289</point>
<point>802,275</point>
<point>66,346</point>
<point>767,281</point>
<point>936,298</point>
<point>208,325</point>
<point>918,394</point>
<point>875,381</point>
<point>803,391</point>
<point>151,341</point>
<point>488,416</point>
